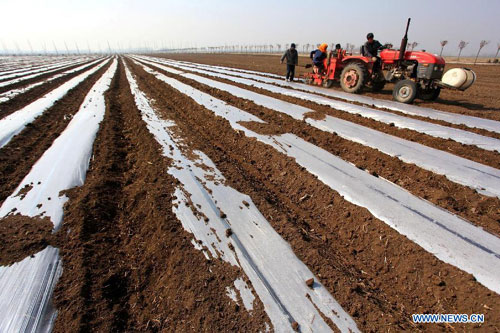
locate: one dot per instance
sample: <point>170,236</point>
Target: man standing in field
<point>292,60</point>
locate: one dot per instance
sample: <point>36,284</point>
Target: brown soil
<point>466,202</point>
<point>300,101</point>
<point>19,75</point>
<point>22,236</point>
<point>470,152</point>
<point>128,263</point>
<point>32,95</point>
<point>36,79</point>
<point>481,100</point>
<point>376,274</point>
<point>19,155</point>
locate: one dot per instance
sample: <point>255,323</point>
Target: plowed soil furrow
<point>481,100</point>
<point>444,123</point>
<point>18,156</point>
<point>461,200</point>
<point>426,119</point>
<point>31,71</point>
<point>33,63</point>
<point>39,78</point>
<point>377,275</point>
<point>128,263</point>
<point>32,95</point>
<point>470,152</point>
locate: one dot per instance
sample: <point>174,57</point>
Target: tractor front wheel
<point>353,77</point>
<point>405,91</point>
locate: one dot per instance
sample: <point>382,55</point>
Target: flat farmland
<point>202,192</point>
<point>482,99</point>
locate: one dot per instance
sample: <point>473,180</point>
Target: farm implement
<point>416,74</point>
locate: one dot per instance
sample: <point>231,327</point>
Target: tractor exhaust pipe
<point>404,42</point>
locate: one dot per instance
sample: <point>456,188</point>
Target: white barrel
<point>460,78</point>
<point>471,78</point>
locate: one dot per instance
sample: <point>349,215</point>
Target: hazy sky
<point>169,23</point>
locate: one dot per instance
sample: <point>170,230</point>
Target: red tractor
<point>416,74</point>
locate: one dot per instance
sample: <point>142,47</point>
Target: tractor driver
<point>371,49</point>
<point>318,56</point>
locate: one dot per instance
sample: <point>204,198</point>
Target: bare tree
<point>55,48</point>
<point>482,44</point>
<point>443,44</point>
<point>413,45</point>
<point>498,49</point>
<point>461,46</point>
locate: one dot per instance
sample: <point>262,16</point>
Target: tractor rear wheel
<point>353,77</point>
<point>429,94</point>
<point>327,83</point>
<point>405,91</point>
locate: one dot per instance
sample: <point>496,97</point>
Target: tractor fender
<point>359,59</point>
<point>362,61</point>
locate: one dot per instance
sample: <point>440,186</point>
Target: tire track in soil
<point>470,152</point>
<point>376,274</point>
<point>19,155</point>
<point>20,101</point>
<point>479,209</point>
<point>128,263</point>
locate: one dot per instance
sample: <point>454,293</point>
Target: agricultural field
<point>203,192</point>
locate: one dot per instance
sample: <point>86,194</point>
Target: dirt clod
<point>22,236</point>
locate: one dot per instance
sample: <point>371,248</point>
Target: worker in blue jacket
<point>318,56</point>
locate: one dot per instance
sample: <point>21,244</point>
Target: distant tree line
<point>245,49</point>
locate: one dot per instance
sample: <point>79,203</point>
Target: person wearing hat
<point>318,56</point>
<point>292,60</point>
